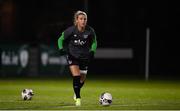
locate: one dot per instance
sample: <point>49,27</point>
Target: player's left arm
<point>93,45</point>
<point>94,42</point>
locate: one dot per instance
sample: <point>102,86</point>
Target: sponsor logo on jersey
<point>79,42</point>
<point>85,36</point>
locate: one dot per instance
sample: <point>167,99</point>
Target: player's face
<point>81,21</point>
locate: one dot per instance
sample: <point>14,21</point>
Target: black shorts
<point>82,63</point>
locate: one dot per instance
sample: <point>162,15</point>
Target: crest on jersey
<point>85,36</point>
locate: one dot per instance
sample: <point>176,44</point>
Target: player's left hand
<point>91,55</point>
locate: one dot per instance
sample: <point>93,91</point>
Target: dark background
<point>118,24</point>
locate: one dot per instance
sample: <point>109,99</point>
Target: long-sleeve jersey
<point>78,44</point>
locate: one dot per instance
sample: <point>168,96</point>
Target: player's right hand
<point>62,51</point>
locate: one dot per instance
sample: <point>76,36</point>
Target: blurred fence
<point>24,60</point>
<point>43,60</point>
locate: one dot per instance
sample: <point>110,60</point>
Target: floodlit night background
<point>121,27</point>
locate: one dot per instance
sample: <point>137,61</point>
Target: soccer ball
<point>27,94</point>
<point>105,99</point>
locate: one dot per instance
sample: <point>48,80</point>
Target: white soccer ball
<point>27,94</point>
<point>105,99</point>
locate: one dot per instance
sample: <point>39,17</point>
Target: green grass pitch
<point>57,94</point>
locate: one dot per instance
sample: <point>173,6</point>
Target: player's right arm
<point>64,36</point>
<point>61,41</point>
<point>60,44</point>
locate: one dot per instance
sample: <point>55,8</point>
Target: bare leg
<point>74,70</point>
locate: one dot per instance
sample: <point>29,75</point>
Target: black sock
<point>76,86</point>
<point>81,84</point>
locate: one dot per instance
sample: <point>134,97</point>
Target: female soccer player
<point>79,43</point>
